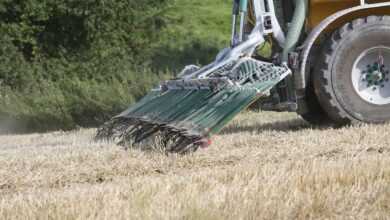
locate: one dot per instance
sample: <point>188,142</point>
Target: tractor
<point>327,60</point>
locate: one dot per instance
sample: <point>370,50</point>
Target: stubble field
<point>262,166</point>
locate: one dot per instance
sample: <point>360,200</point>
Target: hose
<point>243,11</point>
<point>235,13</point>
<point>295,30</point>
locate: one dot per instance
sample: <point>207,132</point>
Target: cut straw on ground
<point>262,166</point>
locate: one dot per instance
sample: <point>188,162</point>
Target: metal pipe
<point>234,20</point>
<point>236,11</point>
<point>242,24</point>
<point>243,11</point>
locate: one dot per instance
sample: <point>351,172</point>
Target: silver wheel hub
<point>370,75</point>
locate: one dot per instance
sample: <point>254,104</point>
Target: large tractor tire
<point>314,113</point>
<point>352,79</point>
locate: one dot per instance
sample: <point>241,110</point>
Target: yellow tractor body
<point>321,9</point>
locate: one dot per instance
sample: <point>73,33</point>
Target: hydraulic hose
<point>243,11</point>
<point>236,12</point>
<point>295,29</point>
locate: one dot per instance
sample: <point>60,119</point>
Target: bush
<point>72,63</point>
<point>71,102</point>
<point>75,63</point>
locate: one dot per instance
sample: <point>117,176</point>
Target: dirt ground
<point>262,166</point>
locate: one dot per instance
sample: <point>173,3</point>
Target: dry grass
<point>263,166</point>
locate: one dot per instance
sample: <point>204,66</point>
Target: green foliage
<point>74,63</point>
<point>71,102</point>
<point>81,34</point>
<point>197,30</point>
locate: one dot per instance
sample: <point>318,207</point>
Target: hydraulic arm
<point>181,114</point>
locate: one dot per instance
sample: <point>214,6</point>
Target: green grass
<point>195,32</point>
<point>205,19</point>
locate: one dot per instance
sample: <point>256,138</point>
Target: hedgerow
<point>74,63</point>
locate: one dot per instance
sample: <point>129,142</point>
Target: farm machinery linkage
<point>329,63</point>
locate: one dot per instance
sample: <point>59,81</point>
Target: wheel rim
<point>370,75</point>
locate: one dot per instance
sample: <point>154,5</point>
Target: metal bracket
<point>266,23</point>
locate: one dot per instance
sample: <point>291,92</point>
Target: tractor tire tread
<point>322,80</point>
